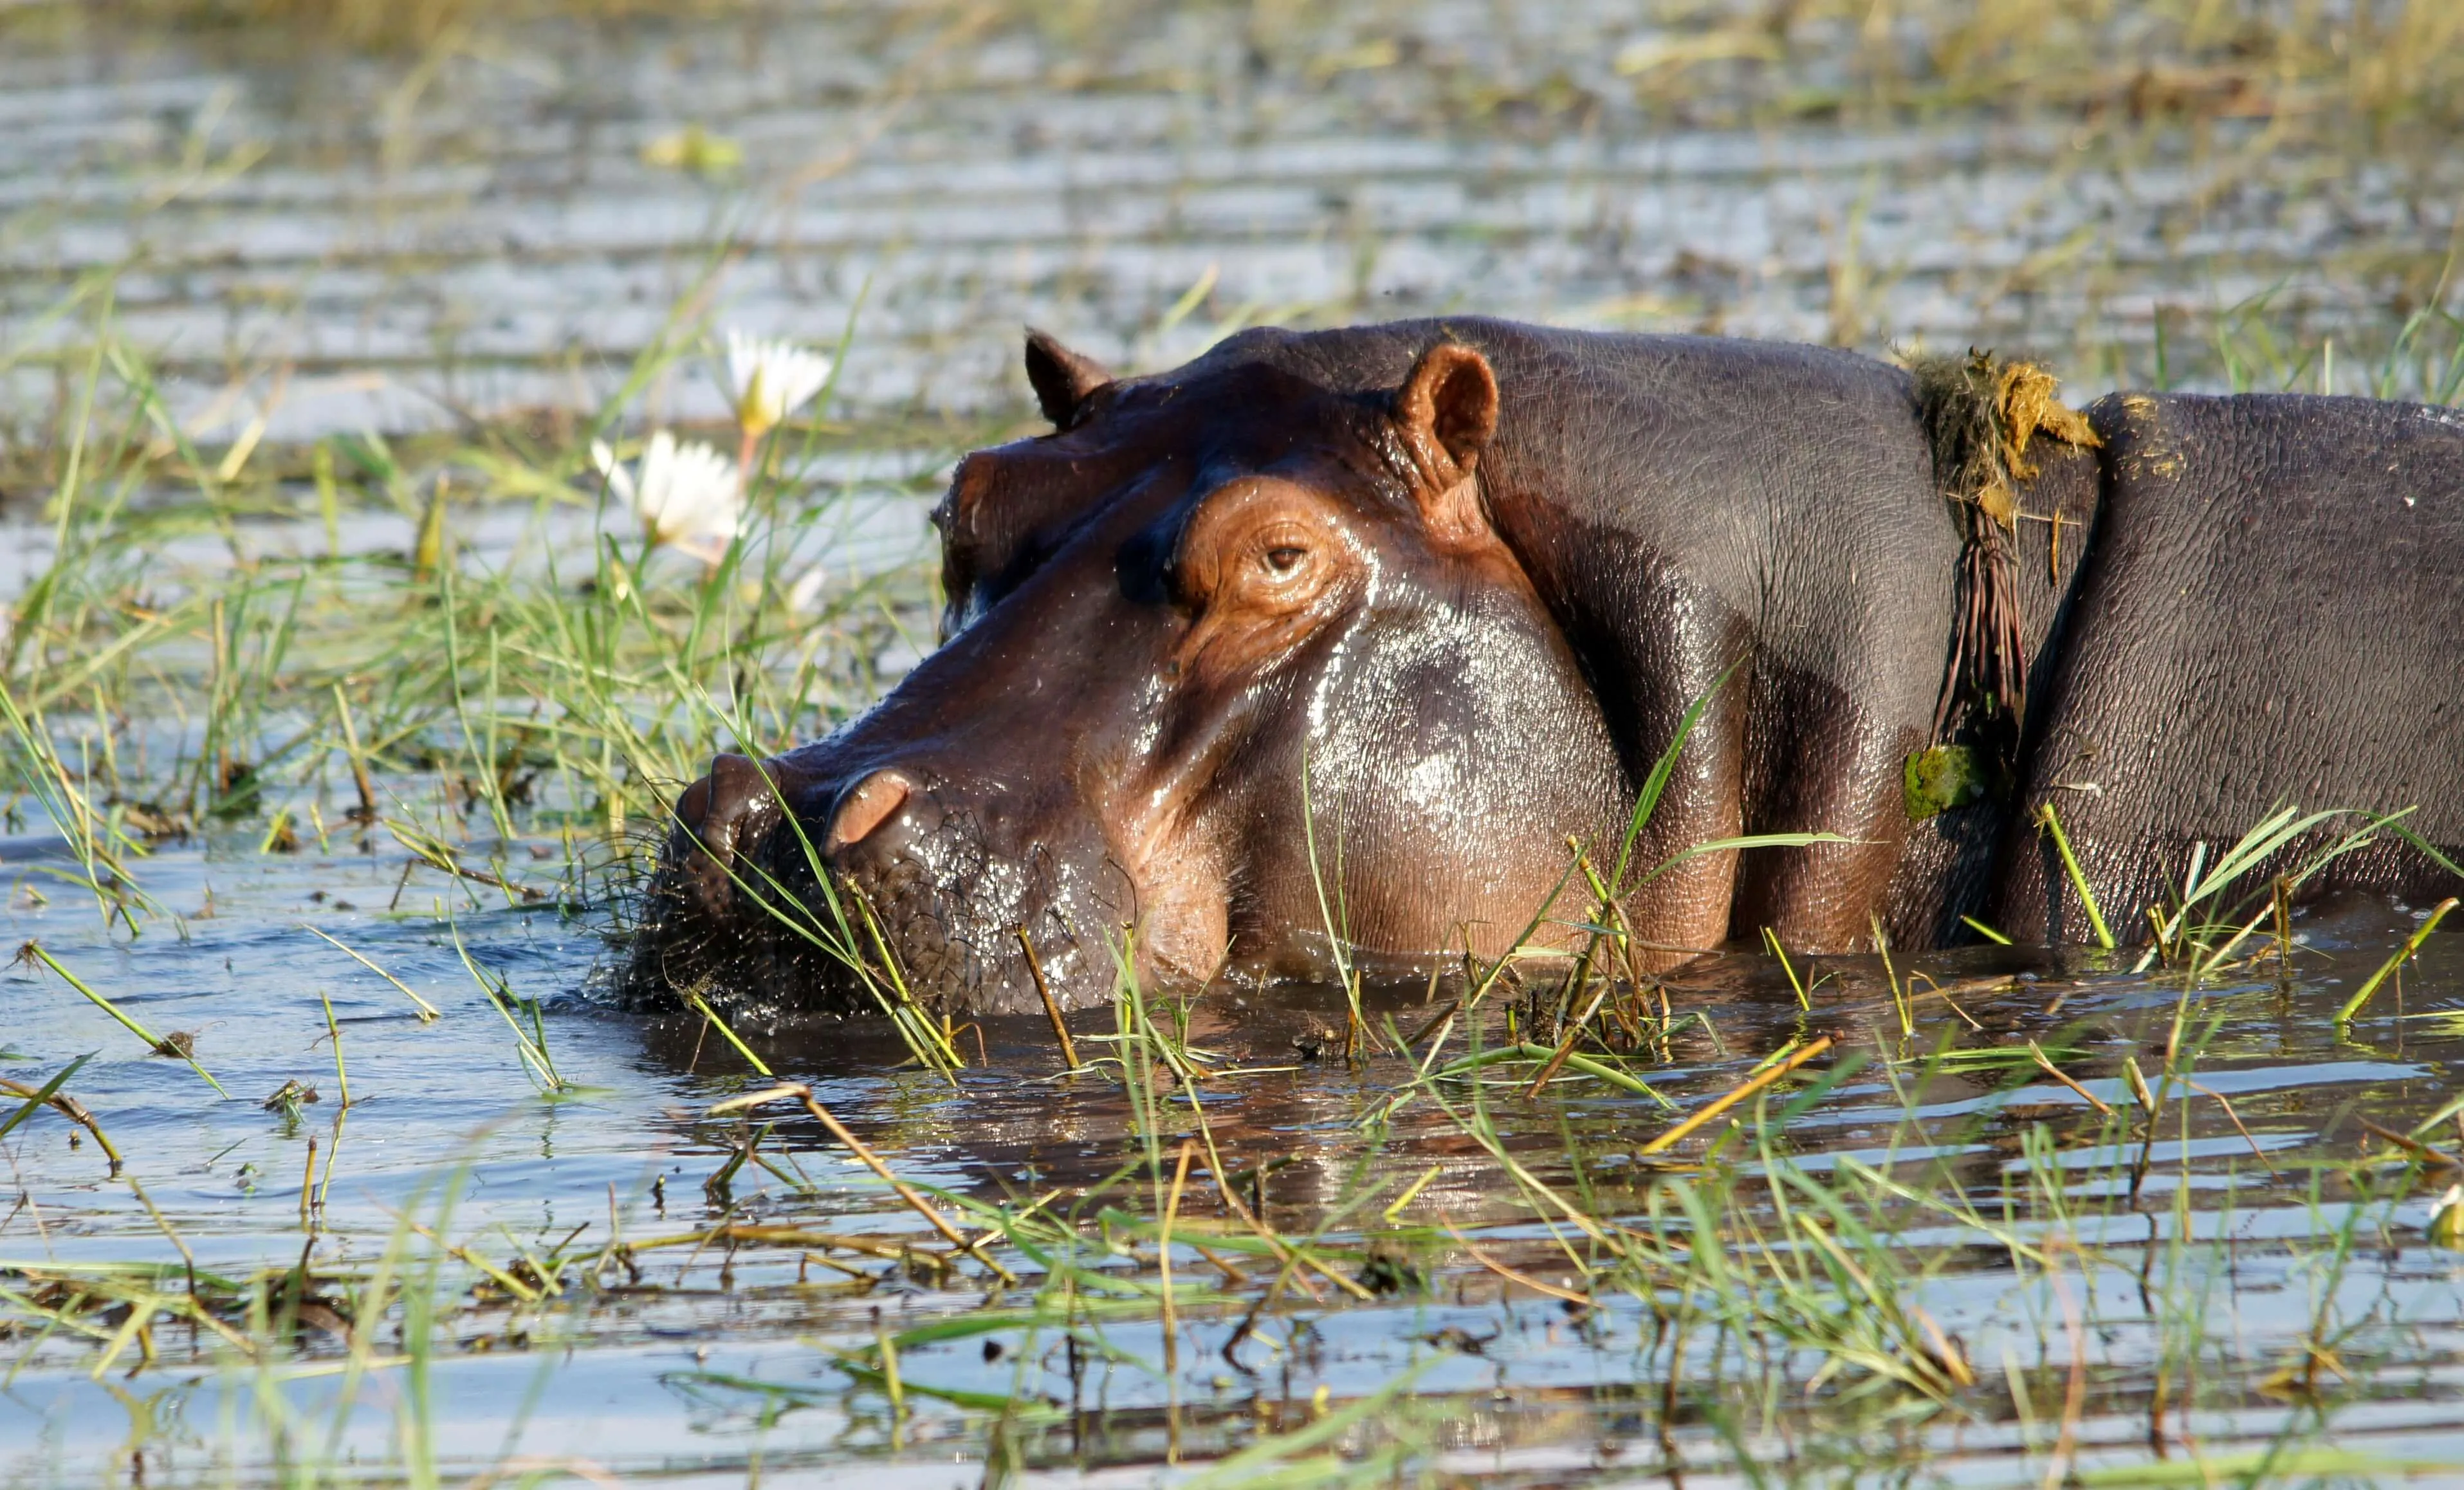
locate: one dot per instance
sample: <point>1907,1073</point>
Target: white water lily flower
<point>772,380</point>
<point>688,497</point>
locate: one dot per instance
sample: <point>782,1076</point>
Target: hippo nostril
<point>692,806</point>
<point>734,797</point>
<point>867,806</point>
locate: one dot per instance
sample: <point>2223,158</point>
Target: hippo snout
<point>721,840</point>
<point>725,824</point>
<point>932,873</point>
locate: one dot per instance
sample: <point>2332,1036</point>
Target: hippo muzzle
<point>928,883</point>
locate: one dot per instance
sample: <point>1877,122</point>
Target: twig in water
<point>1051,1009</point>
<point>1722,1105</point>
<point>31,954</point>
<point>1524,1280</point>
<point>427,1011</point>
<point>2409,1144</point>
<point>50,1094</point>
<point>2057,1074</point>
<point>2236,1122</point>
<point>36,1098</point>
<point>799,1092</point>
<point>1291,1257</point>
<point>1565,1050</point>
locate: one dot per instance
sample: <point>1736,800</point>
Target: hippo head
<point>1232,657</point>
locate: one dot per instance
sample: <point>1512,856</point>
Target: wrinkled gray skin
<point>2245,610</point>
<point>2272,616</point>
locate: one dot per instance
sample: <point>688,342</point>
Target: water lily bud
<point>2447,1219</point>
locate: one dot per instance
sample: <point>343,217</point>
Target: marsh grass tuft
<point>178,1045</point>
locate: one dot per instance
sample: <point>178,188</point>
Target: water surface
<point>323,243</point>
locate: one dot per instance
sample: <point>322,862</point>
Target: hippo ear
<point>1446,411</point>
<point>1063,379</point>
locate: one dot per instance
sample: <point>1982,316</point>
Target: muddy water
<point>501,224</point>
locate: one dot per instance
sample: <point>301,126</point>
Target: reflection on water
<point>710,1358</point>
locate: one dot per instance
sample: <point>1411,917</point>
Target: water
<point>402,243</point>
<point>870,524</point>
<point>711,1361</point>
<point>320,244</point>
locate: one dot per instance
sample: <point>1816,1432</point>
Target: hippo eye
<point>1284,557</point>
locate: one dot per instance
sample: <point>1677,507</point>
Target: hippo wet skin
<point>1361,629</point>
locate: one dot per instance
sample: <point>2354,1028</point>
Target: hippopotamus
<point>1354,648</point>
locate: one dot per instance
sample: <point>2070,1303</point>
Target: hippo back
<point>2269,618</point>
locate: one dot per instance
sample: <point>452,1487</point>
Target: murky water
<point>320,244</point>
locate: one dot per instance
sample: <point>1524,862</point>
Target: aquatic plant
<point>687,495</point>
<point>771,378</point>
